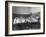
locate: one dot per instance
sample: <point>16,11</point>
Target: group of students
<point>24,20</point>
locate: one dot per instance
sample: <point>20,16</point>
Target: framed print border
<point>6,18</point>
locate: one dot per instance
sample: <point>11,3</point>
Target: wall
<point>21,10</point>
<point>2,19</point>
<point>25,10</point>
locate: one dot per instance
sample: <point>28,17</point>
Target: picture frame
<point>22,10</point>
